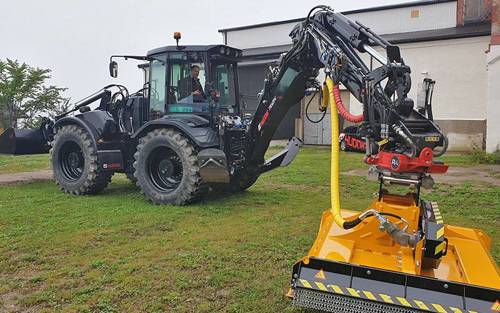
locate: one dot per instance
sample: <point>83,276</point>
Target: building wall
<point>415,18</point>
<point>493,60</point>
<point>465,84</point>
<point>459,68</point>
<point>409,19</point>
<point>460,96</point>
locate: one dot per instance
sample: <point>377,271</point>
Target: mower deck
<point>363,270</point>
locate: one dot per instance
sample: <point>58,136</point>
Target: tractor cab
<point>197,80</point>
<point>200,80</point>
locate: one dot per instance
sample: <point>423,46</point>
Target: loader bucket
<point>362,270</point>
<point>23,141</point>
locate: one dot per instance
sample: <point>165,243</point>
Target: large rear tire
<point>75,164</point>
<point>166,168</point>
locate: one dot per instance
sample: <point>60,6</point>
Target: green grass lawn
<point>23,163</point>
<point>115,252</point>
<point>27,163</point>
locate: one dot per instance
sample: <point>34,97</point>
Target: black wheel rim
<point>164,168</point>
<point>71,160</point>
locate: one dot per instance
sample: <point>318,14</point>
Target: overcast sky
<point>75,38</point>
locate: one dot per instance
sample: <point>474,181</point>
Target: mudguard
<point>97,123</point>
<point>193,126</point>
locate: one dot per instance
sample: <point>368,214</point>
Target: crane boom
<point>330,41</point>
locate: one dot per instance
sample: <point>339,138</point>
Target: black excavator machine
<point>184,132</point>
<point>175,138</point>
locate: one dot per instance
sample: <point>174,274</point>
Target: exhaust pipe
<point>23,141</point>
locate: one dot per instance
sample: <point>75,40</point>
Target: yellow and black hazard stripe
<point>438,244</point>
<point>496,306</point>
<point>437,213</point>
<point>380,297</point>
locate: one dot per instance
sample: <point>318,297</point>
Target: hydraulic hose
<point>400,236</point>
<point>340,105</point>
<point>335,170</point>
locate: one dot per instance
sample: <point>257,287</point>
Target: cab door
<point>157,86</point>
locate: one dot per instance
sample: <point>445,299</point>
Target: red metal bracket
<point>401,163</point>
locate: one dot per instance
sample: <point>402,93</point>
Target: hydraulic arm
<point>397,255</point>
<point>330,41</point>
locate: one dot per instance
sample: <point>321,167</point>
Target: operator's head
<point>195,71</point>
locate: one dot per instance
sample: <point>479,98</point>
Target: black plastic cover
<point>193,126</point>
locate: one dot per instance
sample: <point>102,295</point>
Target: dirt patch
<point>25,177</point>
<point>482,174</point>
<point>8,302</point>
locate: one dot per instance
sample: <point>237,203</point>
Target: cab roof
<point>194,48</point>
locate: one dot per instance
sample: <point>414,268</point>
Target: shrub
<point>481,157</point>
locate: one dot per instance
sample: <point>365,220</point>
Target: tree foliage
<point>24,96</point>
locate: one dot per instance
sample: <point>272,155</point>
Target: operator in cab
<point>198,94</point>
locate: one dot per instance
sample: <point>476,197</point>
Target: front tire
<point>75,164</point>
<point>166,168</point>
<point>131,177</point>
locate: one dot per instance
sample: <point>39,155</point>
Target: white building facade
<point>453,42</point>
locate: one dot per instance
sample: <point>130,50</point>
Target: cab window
<point>184,87</point>
<point>157,86</point>
<point>225,85</point>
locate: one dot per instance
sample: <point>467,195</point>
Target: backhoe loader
<point>180,135</point>
<point>398,255</point>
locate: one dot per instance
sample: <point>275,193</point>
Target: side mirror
<point>113,69</point>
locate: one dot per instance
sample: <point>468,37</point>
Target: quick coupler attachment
<point>340,287</point>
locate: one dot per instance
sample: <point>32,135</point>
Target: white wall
<point>459,68</point>
<point>493,108</point>
<point>436,16</point>
<point>442,15</point>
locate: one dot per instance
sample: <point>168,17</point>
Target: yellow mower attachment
<point>363,270</point>
<point>397,256</point>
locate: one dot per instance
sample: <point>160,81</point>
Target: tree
<point>24,97</point>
